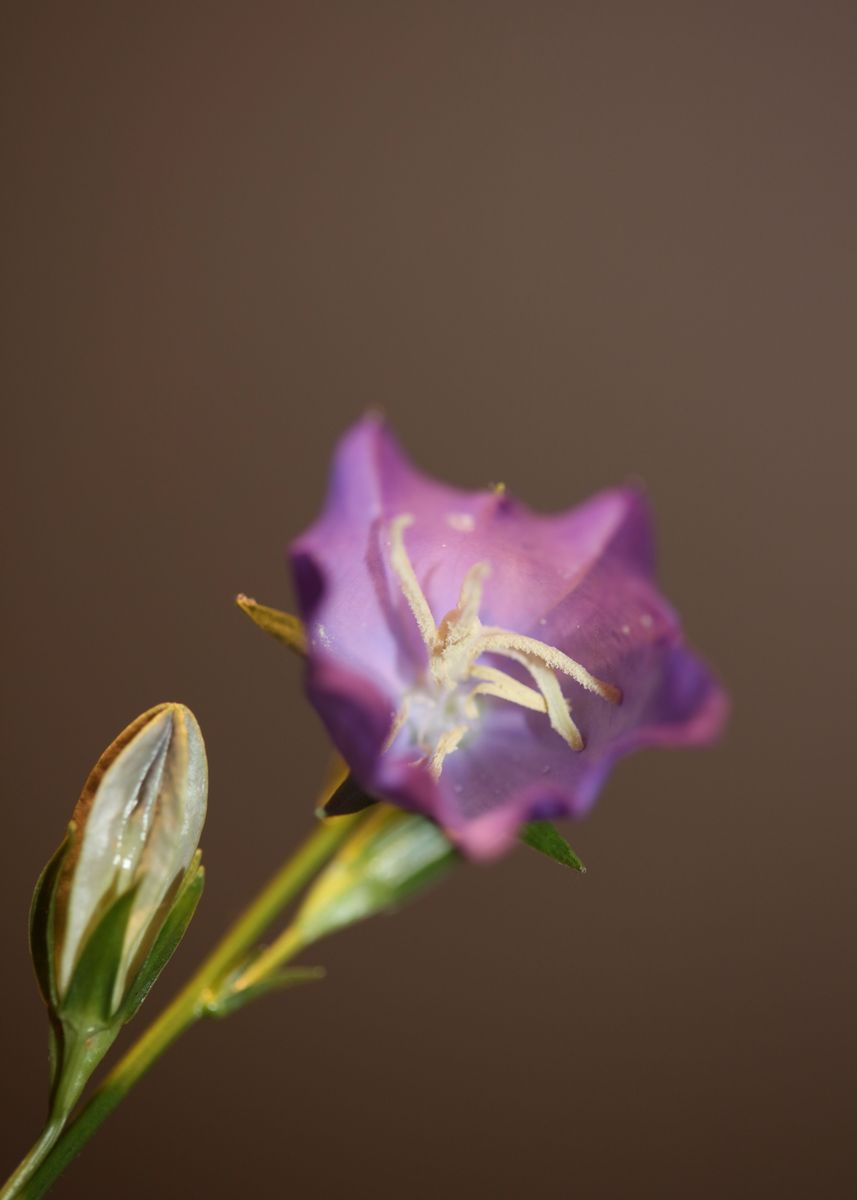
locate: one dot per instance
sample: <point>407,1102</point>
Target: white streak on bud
<point>138,822</point>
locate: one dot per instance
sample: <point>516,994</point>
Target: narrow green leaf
<point>280,625</point>
<point>89,999</point>
<point>230,998</point>
<point>546,838</point>
<point>166,943</point>
<point>42,921</point>
<point>392,855</point>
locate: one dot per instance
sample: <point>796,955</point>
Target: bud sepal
<point>42,911</point>
<point>234,993</point>
<point>166,943</point>
<point>392,855</point>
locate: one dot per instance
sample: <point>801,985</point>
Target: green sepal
<point>546,838</point>
<point>42,920</point>
<point>88,1002</point>
<point>230,998</point>
<point>166,943</point>
<point>54,1048</point>
<point>348,798</point>
<point>281,626</point>
<point>392,855</point>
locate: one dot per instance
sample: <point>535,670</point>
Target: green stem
<point>245,932</point>
<point>34,1158</point>
<point>52,1153</point>
<point>79,1054</point>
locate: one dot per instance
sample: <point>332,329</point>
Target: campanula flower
<point>480,663</point>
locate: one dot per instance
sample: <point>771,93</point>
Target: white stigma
<point>442,708</point>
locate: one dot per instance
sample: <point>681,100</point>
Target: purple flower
<point>480,663</point>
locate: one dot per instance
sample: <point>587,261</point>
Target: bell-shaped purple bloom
<point>481,663</point>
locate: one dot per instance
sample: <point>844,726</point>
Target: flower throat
<point>443,708</point>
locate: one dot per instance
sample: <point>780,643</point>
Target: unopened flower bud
<point>124,872</point>
<point>114,901</point>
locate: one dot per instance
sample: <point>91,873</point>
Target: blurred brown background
<point>560,244</point>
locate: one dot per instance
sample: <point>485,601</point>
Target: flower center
<point>441,709</point>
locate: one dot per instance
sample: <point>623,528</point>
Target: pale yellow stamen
<point>502,641</point>
<point>454,646</point>
<point>504,687</point>
<point>398,721</point>
<point>447,743</point>
<point>458,625</point>
<point>555,704</point>
<point>408,581</point>
<point>470,596</point>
